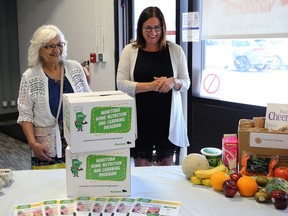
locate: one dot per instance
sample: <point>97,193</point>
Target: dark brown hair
<point>146,14</point>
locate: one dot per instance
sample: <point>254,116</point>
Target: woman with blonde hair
<point>48,76</point>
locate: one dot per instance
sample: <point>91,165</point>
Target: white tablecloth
<point>167,183</point>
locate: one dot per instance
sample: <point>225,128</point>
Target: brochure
<point>100,206</point>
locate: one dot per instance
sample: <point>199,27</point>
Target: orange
<point>217,180</point>
<point>247,186</point>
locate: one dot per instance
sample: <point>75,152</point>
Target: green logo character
<point>76,165</point>
<point>80,118</point>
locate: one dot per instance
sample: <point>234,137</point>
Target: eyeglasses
<point>156,28</point>
<point>60,46</point>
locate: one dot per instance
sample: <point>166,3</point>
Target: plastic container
<point>212,154</point>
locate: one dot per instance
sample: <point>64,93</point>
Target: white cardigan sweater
<point>126,83</point>
<point>33,100</point>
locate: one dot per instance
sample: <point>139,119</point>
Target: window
<point>245,60</point>
<point>249,71</point>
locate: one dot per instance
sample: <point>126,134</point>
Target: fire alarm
<point>92,57</point>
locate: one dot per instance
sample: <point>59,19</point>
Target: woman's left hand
<point>164,84</point>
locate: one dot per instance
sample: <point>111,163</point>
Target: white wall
<point>88,26</point>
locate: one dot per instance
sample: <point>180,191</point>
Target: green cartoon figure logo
<point>76,165</point>
<point>80,118</point>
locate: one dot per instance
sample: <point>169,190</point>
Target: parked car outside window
<point>278,50</point>
<point>248,54</point>
<point>243,55</point>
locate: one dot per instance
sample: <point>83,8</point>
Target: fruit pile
<point>263,189</point>
<point>204,176</point>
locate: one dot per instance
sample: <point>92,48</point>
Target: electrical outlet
<point>4,103</point>
<point>12,103</point>
<point>100,57</point>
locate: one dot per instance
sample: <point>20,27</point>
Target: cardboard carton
<point>264,144</point>
<point>99,173</point>
<point>276,116</point>
<point>96,121</point>
<point>230,151</point>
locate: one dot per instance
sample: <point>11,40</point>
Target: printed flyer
<point>100,206</point>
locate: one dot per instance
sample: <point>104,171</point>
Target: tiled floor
<point>14,154</point>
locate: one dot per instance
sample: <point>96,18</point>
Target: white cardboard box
<point>96,121</point>
<point>276,116</point>
<point>99,173</point>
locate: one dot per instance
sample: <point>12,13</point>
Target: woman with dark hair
<point>48,76</point>
<point>155,72</point>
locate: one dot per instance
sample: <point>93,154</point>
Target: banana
<point>205,174</point>
<point>196,180</point>
<point>206,182</point>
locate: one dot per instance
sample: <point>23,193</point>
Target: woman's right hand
<point>41,151</point>
<point>147,86</point>
<point>155,85</point>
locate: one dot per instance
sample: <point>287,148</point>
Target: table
<point>167,183</point>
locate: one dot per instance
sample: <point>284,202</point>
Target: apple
<point>235,176</point>
<point>279,199</point>
<point>230,188</point>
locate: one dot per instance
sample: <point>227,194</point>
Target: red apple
<point>230,188</point>
<point>235,176</point>
<point>279,198</point>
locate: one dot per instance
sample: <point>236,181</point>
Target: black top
<point>153,108</point>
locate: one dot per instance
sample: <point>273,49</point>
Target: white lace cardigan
<point>33,100</point>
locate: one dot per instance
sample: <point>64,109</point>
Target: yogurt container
<point>212,154</point>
